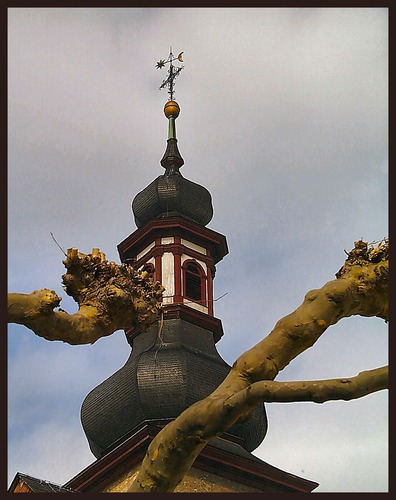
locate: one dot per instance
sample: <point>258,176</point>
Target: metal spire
<point>173,72</point>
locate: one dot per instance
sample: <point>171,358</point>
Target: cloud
<point>283,118</point>
<point>316,442</point>
<point>53,446</point>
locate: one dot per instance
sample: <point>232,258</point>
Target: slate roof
<point>169,195</point>
<point>157,383</point>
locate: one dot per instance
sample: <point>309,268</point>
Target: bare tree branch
<point>183,439</point>
<point>110,297</point>
<point>316,391</point>
<point>361,288</point>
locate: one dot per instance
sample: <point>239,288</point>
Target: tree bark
<point>360,288</point>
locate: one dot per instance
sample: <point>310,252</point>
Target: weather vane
<point>173,72</point>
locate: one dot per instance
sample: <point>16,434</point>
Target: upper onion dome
<point>171,194</point>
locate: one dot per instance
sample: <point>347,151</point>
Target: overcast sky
<point>284,119</point>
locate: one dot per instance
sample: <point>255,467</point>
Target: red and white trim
<point>170,245</point>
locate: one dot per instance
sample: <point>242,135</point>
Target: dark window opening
<point>194,286</point>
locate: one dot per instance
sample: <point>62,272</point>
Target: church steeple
<point>175,361</point>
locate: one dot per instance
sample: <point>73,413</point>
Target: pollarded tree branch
<point>316,391</point>
<point>184,438</point>
<point>360,288</point>
<point>110,297</point>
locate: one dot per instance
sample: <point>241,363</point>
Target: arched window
<point>194,282</point>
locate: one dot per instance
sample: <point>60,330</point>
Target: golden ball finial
<point>171,108</point>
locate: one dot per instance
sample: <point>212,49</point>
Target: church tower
<point>175,362</point>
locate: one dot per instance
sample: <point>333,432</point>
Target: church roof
<point>157,383</point>
<point>220,456</point>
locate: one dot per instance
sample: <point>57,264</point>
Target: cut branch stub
<point>369,267</point>
<point>110,297</point>
<point>363,254</point>
<point>111,288</point>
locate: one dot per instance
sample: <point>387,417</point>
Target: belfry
<point>174,363</point>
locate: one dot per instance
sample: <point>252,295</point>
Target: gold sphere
<point>171,108</point>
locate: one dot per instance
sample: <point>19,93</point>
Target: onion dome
<point>171,194</point>
<point>157,383</point>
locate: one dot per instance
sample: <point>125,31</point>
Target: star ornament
<point>160,64</point>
